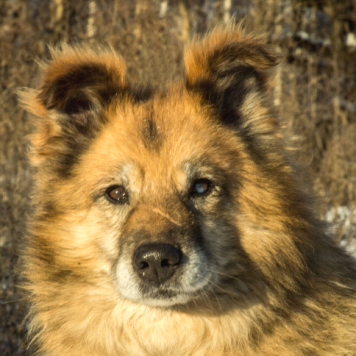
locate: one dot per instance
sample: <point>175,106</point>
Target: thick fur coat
<point>176,223</point>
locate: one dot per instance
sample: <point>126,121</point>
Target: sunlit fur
<point>260,276</point>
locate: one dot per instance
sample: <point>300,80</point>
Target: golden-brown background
<point>315,91</point>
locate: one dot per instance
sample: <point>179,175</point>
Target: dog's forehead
<point>172,114</point>
<point>165,128</point>
<point>161,139</point>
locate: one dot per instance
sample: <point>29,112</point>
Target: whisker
<point>208,299</point>
<point>225,275</point>
<point>12,301</point>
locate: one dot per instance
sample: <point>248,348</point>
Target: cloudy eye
<point>117,194</point>
<point>201,187</point>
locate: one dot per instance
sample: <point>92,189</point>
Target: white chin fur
<point>167,302</point>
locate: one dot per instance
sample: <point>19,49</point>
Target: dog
<point>175,222</point>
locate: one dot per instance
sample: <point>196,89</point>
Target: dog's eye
<point>201,187</point>
<point>117,194</point>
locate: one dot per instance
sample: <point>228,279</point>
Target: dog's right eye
<point>117,194</point>
<point>201,187</point>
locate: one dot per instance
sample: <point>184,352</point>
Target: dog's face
<point>171,196</point>
<point>161,193</point>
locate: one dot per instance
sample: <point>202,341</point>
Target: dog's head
<point>167,196</point>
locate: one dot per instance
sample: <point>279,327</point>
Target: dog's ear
<point>226,67</point>
<point>75,82</point>
<point>77,86</point>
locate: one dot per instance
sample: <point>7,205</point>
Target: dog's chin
<point>179,299</point>
<point>159,298</point>
<point>162,297</point>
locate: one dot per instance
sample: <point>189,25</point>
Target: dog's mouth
<point>161,297</point>
<point>180,292</point>
<point>161,275</point>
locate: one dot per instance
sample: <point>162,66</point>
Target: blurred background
<point>315,93</point>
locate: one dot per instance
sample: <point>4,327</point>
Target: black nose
<point>156,262</point>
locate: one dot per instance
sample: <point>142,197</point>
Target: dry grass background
<point>315,92</point>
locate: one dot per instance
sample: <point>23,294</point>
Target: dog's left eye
<point>117,194</point>
<point>201,187</point>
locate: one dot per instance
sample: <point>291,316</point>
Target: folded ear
<point>76,87</point>
<point>76,81</point>
<point>225,67</point>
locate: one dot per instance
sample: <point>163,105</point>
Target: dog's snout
<point>155,263</point>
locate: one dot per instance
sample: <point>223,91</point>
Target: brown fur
<point>272,282</point>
